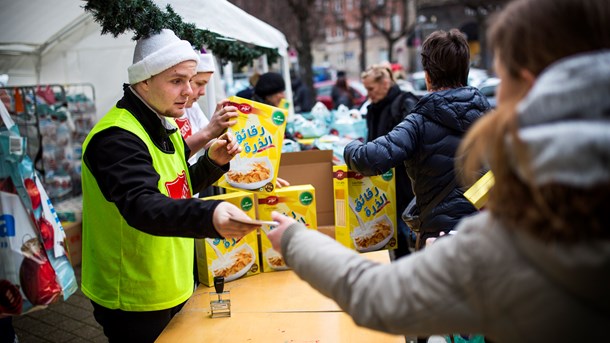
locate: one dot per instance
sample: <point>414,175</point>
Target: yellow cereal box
<point>479,192</point>
<point>298,202</point>
<point>260,133</point>
<point>229,258</point>
<point>365,210</point>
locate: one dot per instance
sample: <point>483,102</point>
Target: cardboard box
<point>298,202</point>
<point>312,167</point>
<point>365,210</point>
<point>260,133</point>
<point>73,241</point>
<point>229,258</point>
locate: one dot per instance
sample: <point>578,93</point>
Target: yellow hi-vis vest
<point>125,268</point>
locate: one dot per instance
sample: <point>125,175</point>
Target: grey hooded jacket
<point>490,278</point>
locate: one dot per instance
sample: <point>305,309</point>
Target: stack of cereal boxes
<point>365,210</point>
<point>251,185</point>
<point>229,258</point>
<point>297,202</point>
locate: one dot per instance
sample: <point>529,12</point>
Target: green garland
<point>145,18</point>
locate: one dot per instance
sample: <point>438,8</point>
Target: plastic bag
<point>34,269</point>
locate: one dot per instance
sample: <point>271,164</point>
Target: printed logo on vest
<point>185,127</point>
<point>179,188</point>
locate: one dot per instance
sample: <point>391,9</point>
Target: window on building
<point>383,55</point>
<point>338,4</point>
<point>381,22</point>
<point>349,4</point>
<point>395,23</point>
<point>368,29</point>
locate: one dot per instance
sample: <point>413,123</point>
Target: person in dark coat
<point>248,93</point>
<point>270,89</point>
<point>389,106</point>
<point>341,93</point>
<point>425,142</point>
<point>301,95</point>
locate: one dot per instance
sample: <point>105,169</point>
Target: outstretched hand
<point>275,235</point>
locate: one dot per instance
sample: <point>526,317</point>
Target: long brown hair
<point>532,34</point>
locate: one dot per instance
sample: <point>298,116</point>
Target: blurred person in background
<point>342,93</point>
<point>248,93</point>
<point>535,265</point>
<point>301,95</point>
<point>270,89</point>
<point>389,105</point>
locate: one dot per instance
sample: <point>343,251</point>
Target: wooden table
<point>271,307</point>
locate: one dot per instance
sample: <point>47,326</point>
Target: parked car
<point>488,88</point>
<point>324,88</point>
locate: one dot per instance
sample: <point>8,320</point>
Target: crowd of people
<point>534,265</point>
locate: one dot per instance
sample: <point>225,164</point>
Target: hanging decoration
<point>143,17</point>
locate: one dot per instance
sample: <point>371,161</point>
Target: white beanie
<point>158,52</point>
<point>206,64</point>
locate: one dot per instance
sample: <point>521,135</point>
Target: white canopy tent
<point>58,42</point>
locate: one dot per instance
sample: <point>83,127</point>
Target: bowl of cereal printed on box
<point>275,260</point>
<point>249,173</point>
<point>375,235</point>
<point>235,264</point>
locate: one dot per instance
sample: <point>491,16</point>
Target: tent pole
<point>286,72</point>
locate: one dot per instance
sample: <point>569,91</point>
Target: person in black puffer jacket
<point>425,142</point>
<point>389,106</point>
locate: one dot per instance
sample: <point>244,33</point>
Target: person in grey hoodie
<point>426,140</point>
<point>535,265</point>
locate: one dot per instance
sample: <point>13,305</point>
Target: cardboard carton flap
<point>313,167</point>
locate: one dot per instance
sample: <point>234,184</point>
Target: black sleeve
<point>205,172</point>
<point>122,167</point>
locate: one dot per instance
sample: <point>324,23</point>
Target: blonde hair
<point>378,72</point>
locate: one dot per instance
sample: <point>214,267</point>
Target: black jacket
<point>426,142</point>
<point>381,118</point>
<point>123,169</point>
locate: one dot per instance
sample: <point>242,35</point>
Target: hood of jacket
<point>565,123</point>
<point>455,109</point>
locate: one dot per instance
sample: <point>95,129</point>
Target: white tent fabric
<point>58,42</point>
<point>229,21</point>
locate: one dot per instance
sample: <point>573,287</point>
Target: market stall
<point>58,42</point>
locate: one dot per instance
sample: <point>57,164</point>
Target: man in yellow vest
<point>139,219</point>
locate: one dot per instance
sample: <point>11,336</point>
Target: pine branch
<point>144,18</point>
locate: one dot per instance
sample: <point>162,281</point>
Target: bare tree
<point>307,30</point>
<point>383,19</point>
<point>358,22</point>
<point>299,21</point>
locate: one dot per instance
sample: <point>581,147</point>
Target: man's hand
<point>230,228</point>
<point>223,149</point>
<point>223,117</point>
